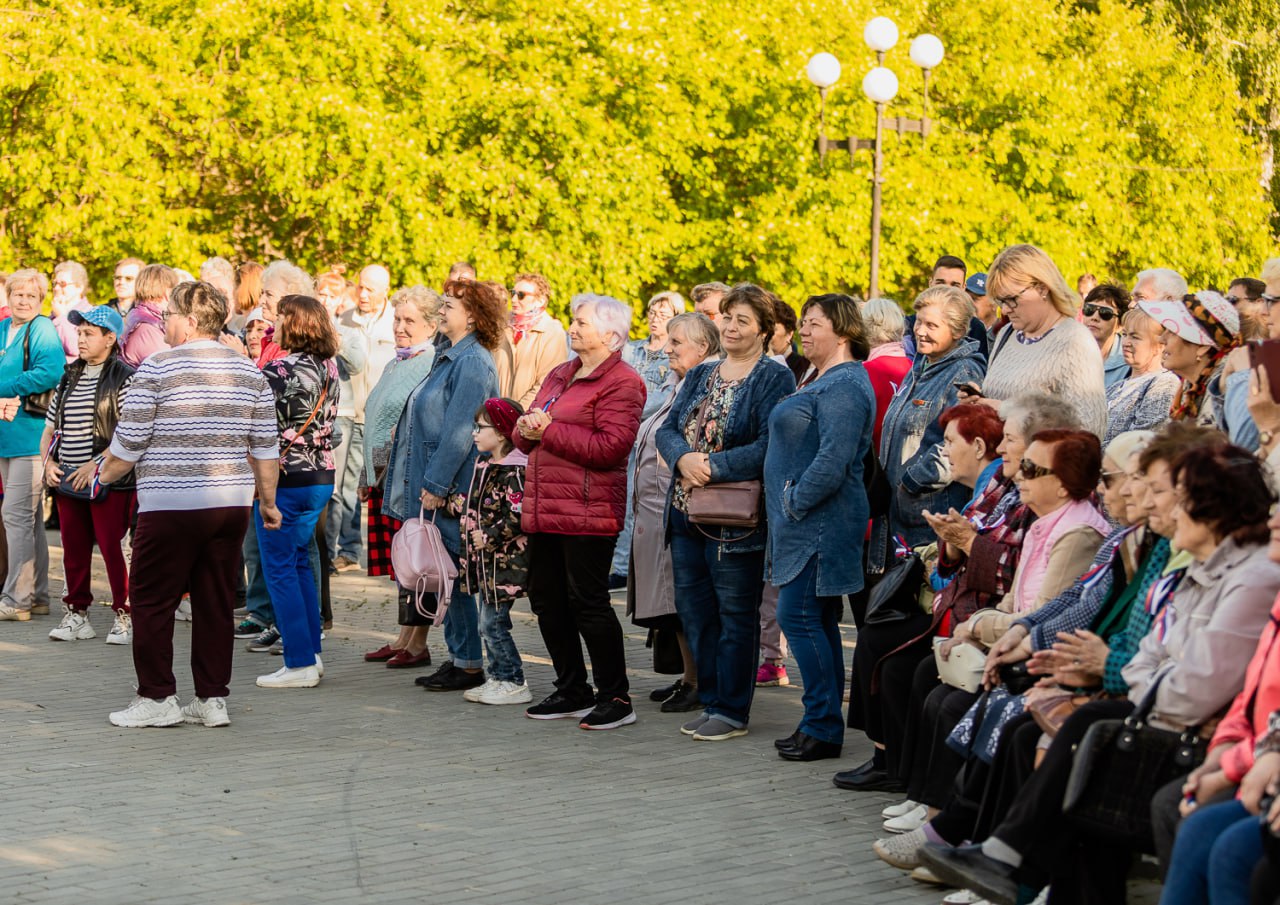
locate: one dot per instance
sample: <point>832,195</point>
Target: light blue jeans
<point>505,664</point>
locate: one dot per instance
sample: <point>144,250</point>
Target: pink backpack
<point>423,565</point>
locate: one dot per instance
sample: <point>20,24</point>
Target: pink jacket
<point>1038,544</point>
<point>1245,725</point>
<point>143,334</point>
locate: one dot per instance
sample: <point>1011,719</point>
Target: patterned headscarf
<point>1190,397</point>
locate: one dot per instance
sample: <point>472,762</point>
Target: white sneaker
<point>284,677</point>
<point>10,614</point>
<point>211,712</point>
<point>121,630</point>
<point>897,810</point>
<point>473,694</point>
<point>73,627</point>
<point>964,897</point>
<point>183,613</point>
<point>319,666</point>
<point>506,693</point>
<point>908,822</point>
<point>903,852</point>
<point>145,712</point>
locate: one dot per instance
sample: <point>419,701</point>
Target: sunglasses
<point>1237,299</point>
<point>520,295</point>
<point>1030,470</point>
<point>1103,313</point>
<point>1110,477</point>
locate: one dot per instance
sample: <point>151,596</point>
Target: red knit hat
<point>503,413</point>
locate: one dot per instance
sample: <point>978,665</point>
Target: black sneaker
<point>439,674</point>
<point>454,680</point>
<point>683,701</point>
<point>658,695</point>
<point>262,643</point>
<point>249,628</point>
<point>609,715</point>
<point>557,706</point>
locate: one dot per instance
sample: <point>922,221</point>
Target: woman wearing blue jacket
<point>818,512</point>
<point>718,431</point>
<point>31,363</point>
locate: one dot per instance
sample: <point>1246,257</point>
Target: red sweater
<point>576,480</point>
<point>1263,679</point>
<point>886,373</point>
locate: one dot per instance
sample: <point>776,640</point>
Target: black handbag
<point>1119,766</point>
<point>897,596</point>
<point>1016,678</point>
<point>36,404</point>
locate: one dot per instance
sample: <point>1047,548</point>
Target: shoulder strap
<point>324,391</point>
<point>1001,343</point>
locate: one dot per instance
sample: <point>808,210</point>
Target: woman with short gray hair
<point>888,361</point>
<point>578,434</point>
<point>649,356</point>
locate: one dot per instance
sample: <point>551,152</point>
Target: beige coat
<point>651,589</point>
<point>522,368</point>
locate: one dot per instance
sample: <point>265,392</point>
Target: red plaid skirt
<point>381,529</point>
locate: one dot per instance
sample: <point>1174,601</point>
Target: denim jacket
<point>911,447</point>
<point>746,436</point>
<point>435,431</point>
<point>813,486</point>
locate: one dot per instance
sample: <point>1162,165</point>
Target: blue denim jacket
<point>435,431</point>
<point>746,436</point>
<point>813,486</point>
<point>911,447</point>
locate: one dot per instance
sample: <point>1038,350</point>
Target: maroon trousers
<point>106,521</point>
<point>175,552</point>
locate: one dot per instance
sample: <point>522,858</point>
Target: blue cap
<point>99,316</point>
<point>976,284</point>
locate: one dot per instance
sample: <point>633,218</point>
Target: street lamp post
<point>880,86</point>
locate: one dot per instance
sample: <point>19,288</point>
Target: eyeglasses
<point>1269,300</point>
<point>1237,299</point>
<point>1011,301</point>
<point>61,284</point>
<point>1108,478</point>
<point>1030,470</point>
<point>478,426</point>
<point>520,295</point>
<point>1102,312</point>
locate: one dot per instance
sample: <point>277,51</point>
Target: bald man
<point>371,319</point>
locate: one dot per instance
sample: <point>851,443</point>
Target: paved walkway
<point>368,789</point>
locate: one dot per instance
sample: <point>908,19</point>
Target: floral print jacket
<point>297,380</point>
<point>495,550</point>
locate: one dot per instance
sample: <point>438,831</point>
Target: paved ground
<point>368,789</point>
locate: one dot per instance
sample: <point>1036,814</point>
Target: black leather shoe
<point>658,695</point>
<point>685,700</point>
<point>873,780</point>
<point>809,748</point>
<point>967,867</point>
<point>788,742</point>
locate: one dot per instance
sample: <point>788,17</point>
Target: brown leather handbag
<point>729,504</point>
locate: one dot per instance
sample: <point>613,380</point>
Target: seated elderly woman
<point>1200,331</point>
<point>911,438</point>
<point>578,436</point>
<point>1141,401</point>
<point>1203,633</point>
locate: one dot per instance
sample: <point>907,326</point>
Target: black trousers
<point>881,713</point>
<point>936,709</point>
<point>569,593</point>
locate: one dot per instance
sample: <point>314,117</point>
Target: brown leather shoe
<point>405,660</point>
<point>382,654</point>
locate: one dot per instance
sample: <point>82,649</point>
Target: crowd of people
<point>1050,510</point>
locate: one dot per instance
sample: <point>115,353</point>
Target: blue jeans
<point>505,664</point>
<point>257,600</point>
<point>343,529</point>
<point>286,563</point>
<point>462,627</point>
<point>812,625</point>
<point>1214,855</point>
<point>718,599</point>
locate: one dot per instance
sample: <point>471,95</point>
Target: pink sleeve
<point>67,333</point>
<point>144,341</point>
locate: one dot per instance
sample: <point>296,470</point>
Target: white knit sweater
<point>1064,362</point>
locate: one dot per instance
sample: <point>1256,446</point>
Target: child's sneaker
<point>505,693</point>
<point>771,674</point>
<point>473,694</point>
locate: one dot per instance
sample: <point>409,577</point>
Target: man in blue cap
<point>984,309</point>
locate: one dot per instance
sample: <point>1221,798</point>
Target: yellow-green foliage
<point>621,146</point>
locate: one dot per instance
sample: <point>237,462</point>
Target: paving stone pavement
<point>368,789</point>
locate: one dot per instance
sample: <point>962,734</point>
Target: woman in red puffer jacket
<point>578,434</point>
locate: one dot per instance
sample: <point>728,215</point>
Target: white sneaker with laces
<point>903,852</point>
<point>897,810</point>
<point>473,694</point>
<point>183,613</point>
<point>505,693</point>
<point>73,627</point>
<point>121,630</point>
<point>211,712</point>
<point>144,712</point>
<point>908,822</point>
<point>284,677</point>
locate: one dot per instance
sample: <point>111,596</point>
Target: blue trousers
<point>718,599</point>
<point>1213,859</point>
<point>812,626</point>
<point>286,564</point>
<point>505,664</point>
<point>462,627</point>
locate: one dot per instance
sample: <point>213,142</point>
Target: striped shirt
<point>75,446</point>
<point>191,415</point>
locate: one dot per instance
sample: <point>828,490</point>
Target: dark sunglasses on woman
<point>1106,314</point>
